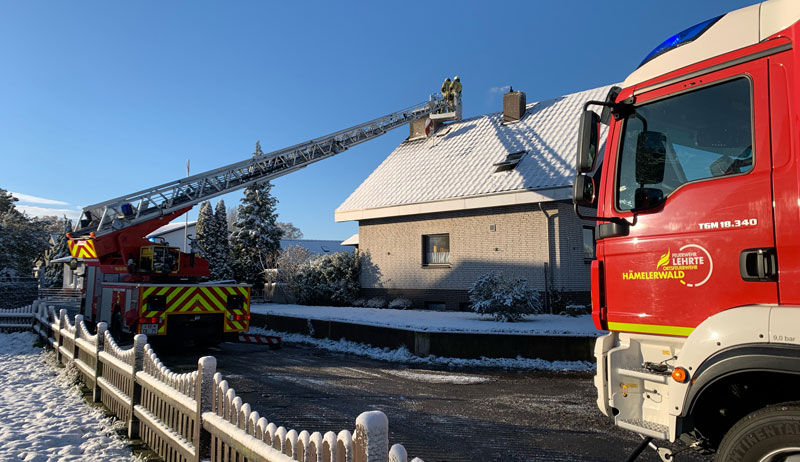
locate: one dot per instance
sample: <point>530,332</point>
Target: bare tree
<point>290,231</point>
<point>290,262</point>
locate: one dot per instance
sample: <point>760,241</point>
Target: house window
<point>436,249</point>
<point>588,243</point>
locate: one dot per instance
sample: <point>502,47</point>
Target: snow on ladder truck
<point>138,286</point>
<point>697,275</point>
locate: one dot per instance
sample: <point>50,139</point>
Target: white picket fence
<point>192,416</point>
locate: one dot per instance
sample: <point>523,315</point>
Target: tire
<point>771,434</point>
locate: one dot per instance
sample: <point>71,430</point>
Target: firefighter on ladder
<point>455,96</point>
<point>446,89</point>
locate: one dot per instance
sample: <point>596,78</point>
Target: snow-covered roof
<point>316,247</point>
<point>352,240</point>
<point>455,168</point>
<point>169,227</point>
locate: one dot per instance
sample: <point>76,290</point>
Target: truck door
<point>690,168</point>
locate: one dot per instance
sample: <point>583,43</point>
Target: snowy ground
<point>402,355</point>
<point>43,417</point>
<point>438,321</point>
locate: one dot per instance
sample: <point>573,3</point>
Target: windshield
<point>701,134</point>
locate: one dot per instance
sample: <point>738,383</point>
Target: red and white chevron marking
<point>260,339</point>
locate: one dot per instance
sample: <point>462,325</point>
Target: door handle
<point>759,265</point>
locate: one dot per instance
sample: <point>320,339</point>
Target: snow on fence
<point>17,319</point>
<point>192,416</point>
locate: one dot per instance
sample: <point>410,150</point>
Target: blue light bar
<point>681,38</point>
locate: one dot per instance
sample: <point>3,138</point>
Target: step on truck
<point>137,285</point>
<point>697,201</point>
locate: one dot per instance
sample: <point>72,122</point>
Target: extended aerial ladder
<point>122,212</point>
<point>134,285</point>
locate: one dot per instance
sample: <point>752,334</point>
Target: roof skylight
<point>509,162</point>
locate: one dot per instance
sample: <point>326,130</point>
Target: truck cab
<point>697,199</point>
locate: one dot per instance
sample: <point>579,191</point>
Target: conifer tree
<point>212,237</point>
<point>255,240</point>
<point>224,264</point>
<point>204,230</point>
<point>54,274</point>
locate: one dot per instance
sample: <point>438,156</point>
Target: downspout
<point>548,273</point>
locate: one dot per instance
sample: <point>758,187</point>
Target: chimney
<point>513,106</point>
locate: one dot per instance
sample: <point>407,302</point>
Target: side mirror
<point>651,157</point>
<point>611,98</point>
<point>583,191</point>
<point>588,135</point>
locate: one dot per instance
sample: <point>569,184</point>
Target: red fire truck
<point>697,276</point>
<point>139,286</point>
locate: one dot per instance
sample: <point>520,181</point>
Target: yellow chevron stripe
<point>205,304</point>
<point>177,304</point>
<point>187,305</point>
<point>221,294</point>
<point>172,294</point>
<point>213,297</point>
<point>163,290</point>
<point>242,291</point>
<point>195,304</point>
<point>230,290</point>
<point>148,291</point>
<point>651,329</point>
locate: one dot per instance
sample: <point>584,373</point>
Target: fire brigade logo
<point>691,265</point>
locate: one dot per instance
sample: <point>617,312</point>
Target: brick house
<point>489,193</point>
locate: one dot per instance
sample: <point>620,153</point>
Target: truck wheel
<point>771,434</point>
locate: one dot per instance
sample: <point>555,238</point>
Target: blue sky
<point>100,99</point>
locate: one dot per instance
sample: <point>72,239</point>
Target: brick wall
<point>518,247</point>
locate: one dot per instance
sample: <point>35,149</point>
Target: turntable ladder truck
<point>697,275</point>
<point>138,286</point>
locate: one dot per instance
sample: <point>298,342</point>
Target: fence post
<point>35,310</point>
<point>204,396</point>
<point>62,319</point>
<point>98,366</point>
<point>371,441</point>
<point>35,306</point>
<point>76,336</point>
<point>139,341</point>
<point>398,453</point>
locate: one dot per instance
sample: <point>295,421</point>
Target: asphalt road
<point>437,414</point>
